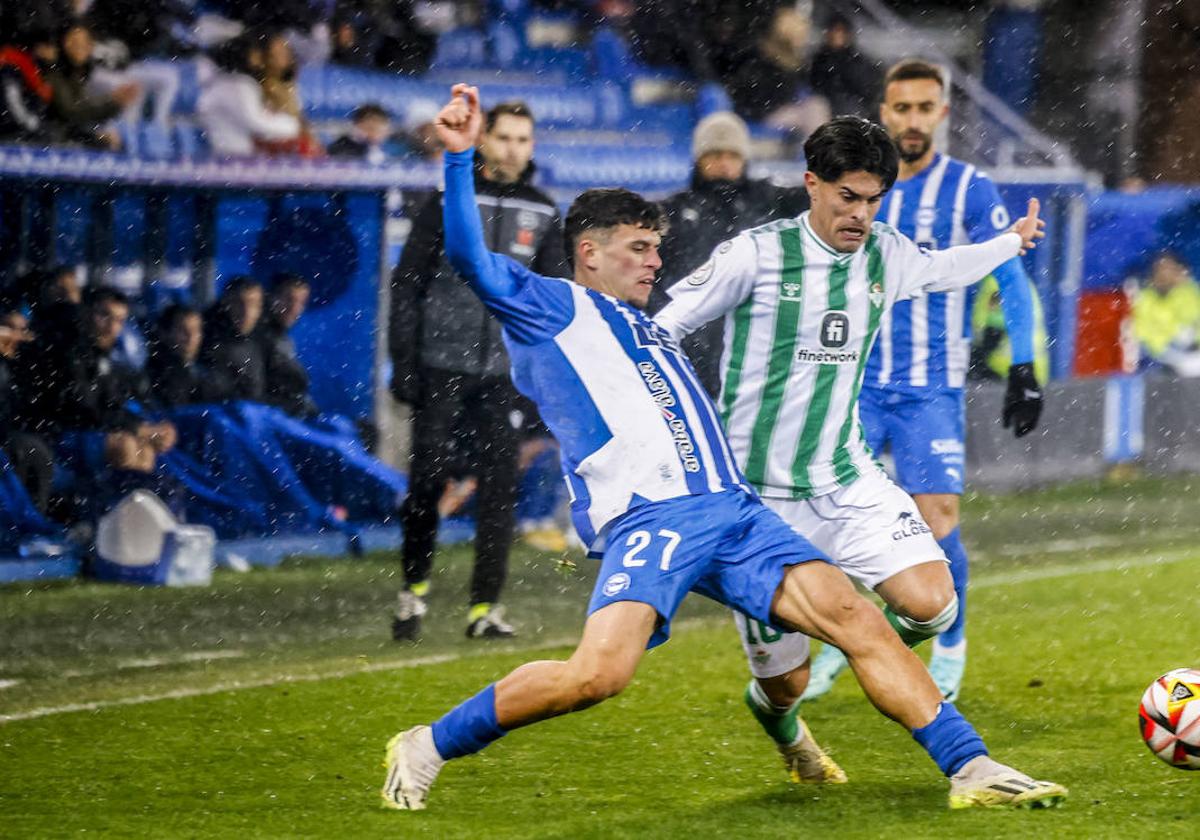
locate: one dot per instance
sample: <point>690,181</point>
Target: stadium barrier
<point>336,222</point>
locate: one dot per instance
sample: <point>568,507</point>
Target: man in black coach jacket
<point>450,367</point>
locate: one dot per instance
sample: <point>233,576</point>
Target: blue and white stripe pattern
<point>633,423</point>
<point>630,415</point>
<point>925,342</point>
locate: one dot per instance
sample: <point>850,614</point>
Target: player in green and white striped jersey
<point>802,301</point>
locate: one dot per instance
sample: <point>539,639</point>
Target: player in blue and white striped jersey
<point>658,497</point>
<point>912,398</point>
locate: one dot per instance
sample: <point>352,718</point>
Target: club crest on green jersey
<point>876,295</point>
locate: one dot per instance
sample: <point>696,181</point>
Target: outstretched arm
<point>458,126</point>
<point>958,267</point>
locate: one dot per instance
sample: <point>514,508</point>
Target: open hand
<point>458,123</point>
<point>1029,227</point>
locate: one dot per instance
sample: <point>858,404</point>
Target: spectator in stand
<point>1166,316</point>
<point>770,84</point>
<point>24,90</point>
<point>671,32</point>
<point>287,383</point>
<point>52,298</point>
<point>133,40</point>
<point>841,74</point>
<point>173,368</point>
<point>231,353</point>
<point>721,202</point>
<point>77,396</point>
<point>402,44</point>
<point>232,108</point>
<point>370,133</point>
<point>420,137</point>
<point>281,94</point>
<point>29,454</point>
<point>85,116</point>
<point>351,44</point>
<point>450,367</point>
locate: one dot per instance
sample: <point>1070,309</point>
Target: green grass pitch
<point>260,707</point>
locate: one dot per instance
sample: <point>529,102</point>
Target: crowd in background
<point>72,72</point>
<point>80,421</point>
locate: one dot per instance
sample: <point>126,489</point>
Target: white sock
<point>983,767</point>
<point>958,651</point>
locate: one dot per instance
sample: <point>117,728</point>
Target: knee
<point>930,605</point>
<point>592,685</point>
<point>933,619</point>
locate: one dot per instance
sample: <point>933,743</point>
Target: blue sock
<point>952,545</point>
<point>468,727</point>
<point>950,740</point>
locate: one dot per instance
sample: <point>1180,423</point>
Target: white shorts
<point>871,529</point>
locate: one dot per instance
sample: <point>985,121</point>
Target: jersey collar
<point>838,256</point>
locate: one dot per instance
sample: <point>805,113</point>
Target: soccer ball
<point>1169,718</point>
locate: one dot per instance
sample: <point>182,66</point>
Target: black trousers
<point>33,461</point>
<point>465,425</point>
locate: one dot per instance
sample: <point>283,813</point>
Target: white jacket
<point>233,115</point>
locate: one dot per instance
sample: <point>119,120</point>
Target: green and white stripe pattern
<point>795,350</point>
<point>800,319</point>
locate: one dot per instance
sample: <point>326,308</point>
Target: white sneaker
<point>412,762</point>
<point>984,783</point>
<point>947,674</point>
<point>825,668</point>
<point>406,623</point>
<point>491,626</point>
<point>807,763</point>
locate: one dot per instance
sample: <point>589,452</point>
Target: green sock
<point>477,612</point>
<point>780,724</point>
<point>908,634</point>
<point>420,589</point>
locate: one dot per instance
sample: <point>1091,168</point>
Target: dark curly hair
<point>605,209</point>
<point>852,144</point>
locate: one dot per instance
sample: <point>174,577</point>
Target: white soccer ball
<point>1169,718</point>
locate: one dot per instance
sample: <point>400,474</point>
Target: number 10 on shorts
<point>639,541</point>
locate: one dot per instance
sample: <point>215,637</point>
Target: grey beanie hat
<point>723,131</point>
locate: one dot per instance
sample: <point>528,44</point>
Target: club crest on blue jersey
<point>616,584</point>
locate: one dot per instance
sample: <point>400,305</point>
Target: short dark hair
<point>852,144</point>
<point>288,280</point>
<point>912,69</point>
<point>173,314</point>
<point>515,108</point>
<point>237,284</point>
<point>605,209</point>
<point>368,110</point>
<point>94,296</point>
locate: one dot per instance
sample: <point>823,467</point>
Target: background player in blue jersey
<point>912,396</point>
<point>657,495</point>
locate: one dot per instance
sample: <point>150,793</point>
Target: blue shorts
<point>727,546</point>
<point>926,429</point>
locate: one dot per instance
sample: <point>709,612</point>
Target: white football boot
<point>412,762</point>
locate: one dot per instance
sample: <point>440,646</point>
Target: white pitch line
<point>1066,544</point>
<point>191,656</point>
<point>9,683</point>
<point>1113,564</point>
<point>266,682</point>
<point>986,581</point>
